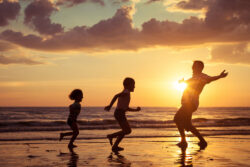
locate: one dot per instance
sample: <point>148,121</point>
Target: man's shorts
<point>183,118</point>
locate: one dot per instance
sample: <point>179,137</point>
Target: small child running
<point>119,114</point>
<point>74,111</point>
<point>190,102</point>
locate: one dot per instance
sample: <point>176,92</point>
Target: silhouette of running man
<point>190,102</point>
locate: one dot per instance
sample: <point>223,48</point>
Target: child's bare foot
<point>61,136</point>
<point>202,144</point>
<point>182,144</point>
<point>110,140</point>
<point>117,148</point>
<point>71,146</point>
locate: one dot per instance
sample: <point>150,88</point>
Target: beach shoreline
<point>225,151</point>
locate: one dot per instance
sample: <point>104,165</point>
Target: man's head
<point>129,83</point>
<point>197,66</point>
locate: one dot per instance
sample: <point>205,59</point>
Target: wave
<point>14,126</point>
<point>234,134</point>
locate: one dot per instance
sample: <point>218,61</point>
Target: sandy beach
<point>228,151</point>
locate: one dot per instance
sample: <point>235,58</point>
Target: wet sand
<point>222,151</point>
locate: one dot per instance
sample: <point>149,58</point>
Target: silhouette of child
<point>119,114</point>
<point>74,111</point>
<point>190,102</point>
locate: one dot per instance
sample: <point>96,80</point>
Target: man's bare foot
<point>110,140</point>
<point>61,136</point>
<point>71,146</point>
<point>182,144</point>
<point>117,148</point>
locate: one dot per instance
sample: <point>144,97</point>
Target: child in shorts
<point>119,114</point>
<point>190,102</point>
<point>74,111</point>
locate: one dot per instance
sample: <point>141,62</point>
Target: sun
<point>179,86</point>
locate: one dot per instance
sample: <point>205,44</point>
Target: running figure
<point>74,111</point>
<point>190,102</point>
<point>119,114</point>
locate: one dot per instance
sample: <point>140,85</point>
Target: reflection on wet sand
<point>186,156</point>
<point>116,159</point>
<point>73,158</point>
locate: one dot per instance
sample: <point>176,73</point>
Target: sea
<point>46,123</point>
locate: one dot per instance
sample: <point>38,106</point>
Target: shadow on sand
<point>73,158</point>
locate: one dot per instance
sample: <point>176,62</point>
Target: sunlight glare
<point>179,86</point>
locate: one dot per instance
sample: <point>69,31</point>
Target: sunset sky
<point>50,47</point>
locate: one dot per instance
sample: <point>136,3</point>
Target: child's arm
<point>107,108</point>
<point>223,74</point>
<point>134,109</point>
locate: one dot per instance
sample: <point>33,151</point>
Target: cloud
<point>12,51</point>
<point>5,46</point>
<point>224,22</point>
<point>152,1</point>
<point>220,14</point>
<point>114,33</point>
<point>71,3</point>
<point>194,4</point>
<point>8,11</point>
<point>37,14</point>
<point>228,15</point>
<point>17,60</point>
<point>234,54</point>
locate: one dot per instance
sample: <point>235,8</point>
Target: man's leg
<point>197,134</point>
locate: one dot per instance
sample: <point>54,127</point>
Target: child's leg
<point>65,134</point>
<point>125,131</point>
<point>75,133</point>
<point>113,135</point>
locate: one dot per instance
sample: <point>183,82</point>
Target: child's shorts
<point>70,121</point>
<point>120,115</point>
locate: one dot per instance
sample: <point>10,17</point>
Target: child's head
<point>197,66</point>
<point>129,83</point>
<point>76,95</point>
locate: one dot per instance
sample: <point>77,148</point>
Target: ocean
<point>45,123</point>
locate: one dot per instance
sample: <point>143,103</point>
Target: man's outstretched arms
<point>223,74</point>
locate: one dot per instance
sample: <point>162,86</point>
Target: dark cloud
<point>228,15</point>
<point>38,13</point>
<point>8,11</point>
<point>5,46</point>
<point>119,1</point>
<point>71,3</point>
<point>17,60</point>
<point>228,24</point>
<point>114,33</point>
<point>152,1</point>
<point>194,4</point>
<point>221,14</point>
<point>238,53</point>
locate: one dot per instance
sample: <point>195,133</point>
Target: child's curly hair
<point>75,94</point>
